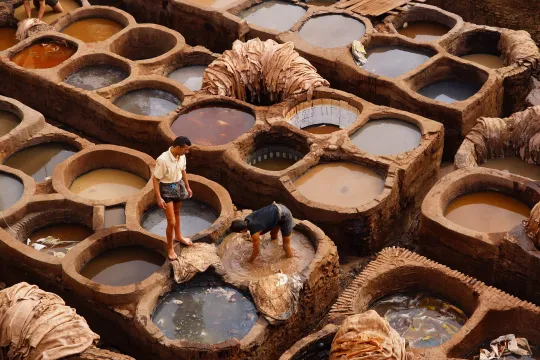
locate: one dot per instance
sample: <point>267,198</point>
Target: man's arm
<point>256,240</point>
<point>41,9</point>
<point>160,201</point>
<point>186,182</point>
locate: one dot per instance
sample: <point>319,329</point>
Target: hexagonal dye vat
<point>449,91</point>
<point>58,238</point>
<point>322,118</point>
<point>189,76</point>
<point>387,136</point>
<point>123,266</point>
<point>39,161</point>
<point>514,165</point>
<point>8,122</point>
<point>12,190</point>
<point>332,31</point>
<point>148,102</point>
<point>105,184</point>
<point>213,125</point>
<point>7,38</point>
<point>342,184</point>
<point>393,61</point>
<point>195,216</point>
<point>96,77</point>
<point>93,29</point>
<point>274,15</point>
<point>424,30</point>
<point>44,54</point>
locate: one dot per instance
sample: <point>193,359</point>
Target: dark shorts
<point>286,222</point>
<point>51,3</point>
<point>175,192</point>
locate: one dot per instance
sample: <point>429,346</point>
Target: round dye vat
<point>535,349</point>
<point>7,38</point>
<point>420,318</point>
<point>105,184</point>
<point>39,161</point>
<point>58,238</point>
<point>393,61</point>
<point>149,102</point>
<point>205,314</point>
<point>387,137</point>
<point>331,31</point>
<point>195,216</point>
<point>271,260</point>
<point>8,122</point>
<point>44,54</point>
<point>93,29</point>
<point>323,119</point>
<point>213,125</point>
<point>12,190</point>
<point>487,211</point>
<point>488,60</point>
<point>114,215</point>
<point>340,184</point>
<point>274,15</point>
<point>274,158</point>
<point>189,76</point>
<point>96,77</point>
<point>424,30</point>
<point>123,266</point>
<point>50,15</point>
<point>514,165</point>
<point>449,91</point>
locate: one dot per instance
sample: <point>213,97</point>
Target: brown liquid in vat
<point>69,234</point>
<point>44,54</point>
<point>514,165</point>
<point>487,211</point>
<point>8,122</point>
<point>123,266</point>
<point>321,129</point>
<point>49,16</point>
<point>340,184</point>
<point>93,29</point>
<point>7,38</point>
<point>423,30</point>
<point>488,60</point>
<point>274,164</point>
<point>104,184</point>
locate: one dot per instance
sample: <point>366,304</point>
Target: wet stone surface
<point>96,77</point>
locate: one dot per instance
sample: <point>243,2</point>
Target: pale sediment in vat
<point>514,165</point>
<point>332,31</point>
<point>105,184</point>
<point>275,15</point>
<point>342,184</point>
<point>96,77</point>
<point>93,29</point>
<point>387,137</point>
<point>393,61</point>
<point>7,38</point>
<point>189,76</point>
<point>44,54</point>
<point>449,91</point>
<point>148,102</point>
<point>12,190</point>
<point>49,16</point>
<point>489,60</point>
<point>114,215</point>
<point>424,30</point>
<point>68,234</point>
<point>39,161</point>
<point>323,118</point>
<point>8,122</point>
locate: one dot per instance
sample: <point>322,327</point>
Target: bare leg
<point>58,8</point>
<point>27,9</point>
<point>256,249</point>
<point>41,9</point>
<point>274,233</point>
<point>287,246</point>
<point>177,229</point>
<point>171,222</point>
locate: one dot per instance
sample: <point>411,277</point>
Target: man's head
<point>180,146</point>
<point>239,226</point>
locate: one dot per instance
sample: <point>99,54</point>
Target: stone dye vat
<point>148,102</point>
<point>58,238</point>
<point>449,91</point>
<point>104,184</point>
<point>514,165</point>
<point>423,30</point>
<point>189,76</point>
<point>274,15</point>
<point>114,215</point>
<point>387,137</point>
<point>99,76</point>
<point>93,29</point>
<point>394,61</point>
<point>14,189</point>
<point>332,30</point>
<point>489,60</point>
<point>323,117</point>
<point>274,158</point>
<point>8,122</point>
<point>139,43</point>
<point>7,38</point>
<point>44,53</point>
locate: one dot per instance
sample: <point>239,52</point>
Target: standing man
<point>273,218</point>
<point>171,187</point>
<point>40,5</point>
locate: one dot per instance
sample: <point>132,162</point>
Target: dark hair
<point>181,141</point>
<point>238,226</point>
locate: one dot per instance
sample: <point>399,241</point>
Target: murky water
<point>274,164</point>
<point>149,102</point>
<point>115,215</point>
<point>213,125</point>
<point>387,137</point>
<point>420,318</point>
<point>486,345</point>
<point>93,29</point>
<point>514,165</point>
<point>12,190</point>
<point>274,15</point>
<point>49,16</point>
<point>331,31</point>
<point>487,211</point>
<point>105,184</point>
<point>323,119</point>
<point>205,313</point>
<point>68,234</point>
<point>340,184</point>
<point>96,77</point>
<point>123,266</point>
<point>7,38</point>
<point>39,161</point>
<point>189,76</point>
<point>424,30</point>
<point>489,60</point>
<point>44,54</point>
<point>449,91</point>
<point>195,216</point>
<point>321,129</point>
<point>8,122</point>
<point>393,61</point>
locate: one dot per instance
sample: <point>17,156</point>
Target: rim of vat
<point>31,122</point>
<point>29,189</point>
<point>122,38</point>
<point>214,195</point>
<point>304,347</point>
<point>98,157</point>
<point>469,180</point>
<point>204,101</point>
<point>389,177</point>
<point>99,243</point>
<point>429,13</point>
<point>95,11</point>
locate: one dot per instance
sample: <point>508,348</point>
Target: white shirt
<point>168,168</point>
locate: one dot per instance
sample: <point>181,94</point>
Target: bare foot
<point>172,255</point>
<point>185,241</point>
